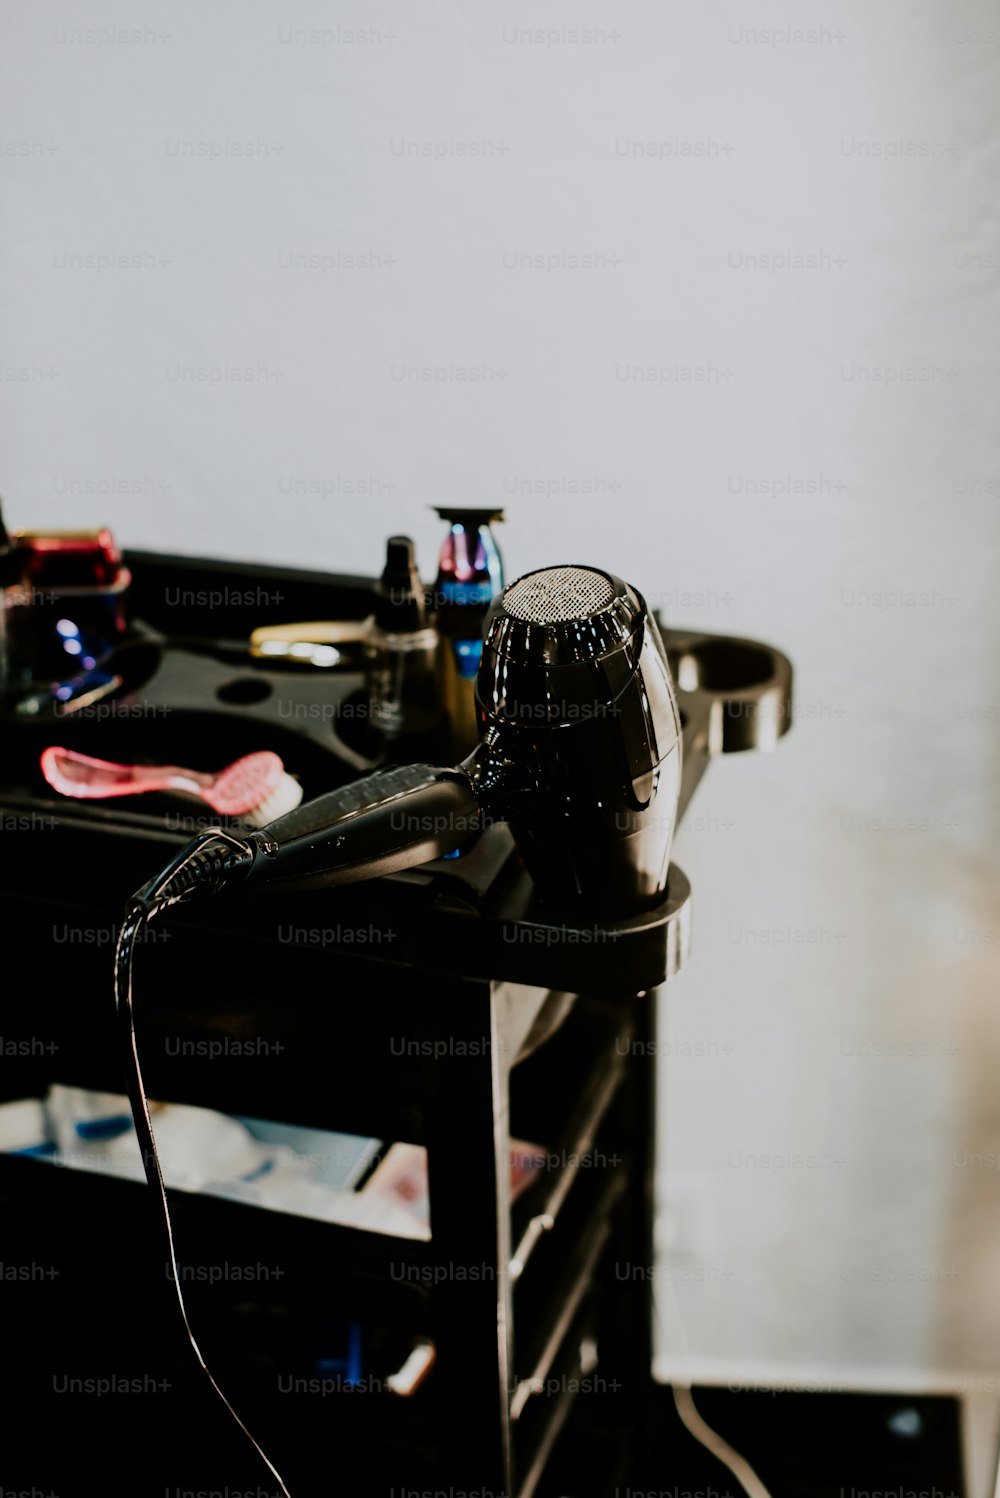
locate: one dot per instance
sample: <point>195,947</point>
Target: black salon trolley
<point>439,1006</point>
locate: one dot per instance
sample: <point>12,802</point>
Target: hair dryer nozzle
<point>581,739</point>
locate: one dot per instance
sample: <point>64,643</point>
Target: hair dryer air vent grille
<point>559,594</point>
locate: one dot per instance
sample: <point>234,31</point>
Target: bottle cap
<point>470,518</point>
<point>400,603</point>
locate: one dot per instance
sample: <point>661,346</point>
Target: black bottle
<point>401,655</point>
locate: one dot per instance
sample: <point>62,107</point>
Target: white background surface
<point>872,147</point>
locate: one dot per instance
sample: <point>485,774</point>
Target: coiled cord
<point>207,863</point>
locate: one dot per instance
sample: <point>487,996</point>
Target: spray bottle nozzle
<point>400,602</point>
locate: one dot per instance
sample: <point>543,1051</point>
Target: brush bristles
<point>285,797</point>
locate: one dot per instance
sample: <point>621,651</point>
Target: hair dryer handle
<point>394,819</point>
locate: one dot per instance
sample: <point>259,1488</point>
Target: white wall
<point>762,149</point>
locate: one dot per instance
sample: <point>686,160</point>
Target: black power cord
<point>202,867</point>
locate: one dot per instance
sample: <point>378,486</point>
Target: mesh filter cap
<point>559,594</point>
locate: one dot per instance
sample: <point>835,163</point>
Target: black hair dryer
<point>579,752</point>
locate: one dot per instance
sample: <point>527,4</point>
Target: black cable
<point>203,862</point>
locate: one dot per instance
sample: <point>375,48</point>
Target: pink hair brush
<point>255,788</point>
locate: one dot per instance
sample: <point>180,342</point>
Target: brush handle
<point>85,778</point>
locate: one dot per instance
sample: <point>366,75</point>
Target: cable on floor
<point>689,1413</point>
